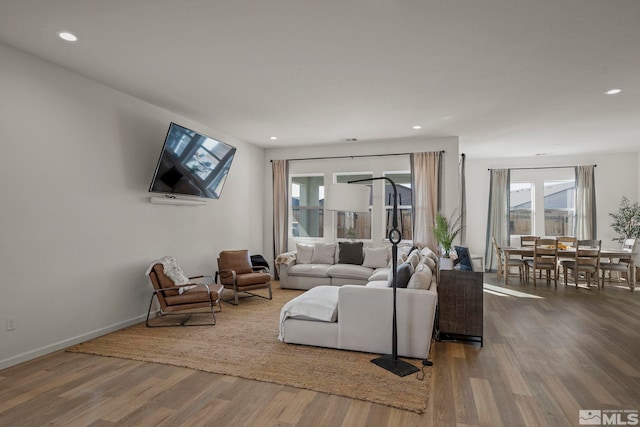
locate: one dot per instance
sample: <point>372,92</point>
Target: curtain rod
<point>543,167</point>
<point>353,157</point>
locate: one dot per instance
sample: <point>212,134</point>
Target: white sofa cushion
<point>349,271</point>
<point>323,253</point>
<point>309,270</point>
<point>380,274</point>
<point>376,257</point>
<point>319,304</point>
<point>304,253</point>
<point>378,284</point>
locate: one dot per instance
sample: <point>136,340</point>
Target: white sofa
<point>319,264</point>
<point>357,317</point>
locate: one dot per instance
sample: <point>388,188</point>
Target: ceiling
<point>510,78</point>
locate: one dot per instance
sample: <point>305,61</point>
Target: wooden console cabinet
<point>460,301</point>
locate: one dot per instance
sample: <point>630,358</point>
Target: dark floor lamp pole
<point>391,362</point>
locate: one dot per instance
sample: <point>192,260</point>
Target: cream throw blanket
<point>173,272</point>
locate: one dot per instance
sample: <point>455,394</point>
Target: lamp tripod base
<point>397,366</point>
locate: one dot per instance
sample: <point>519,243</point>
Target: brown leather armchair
<point>237,274</point>
<point>196,294</point>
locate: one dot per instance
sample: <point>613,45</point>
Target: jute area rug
<point>244,344</point>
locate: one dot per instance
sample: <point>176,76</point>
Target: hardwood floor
<point>544,359</point>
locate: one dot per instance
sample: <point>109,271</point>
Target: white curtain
<point>280,200</point>
<point>498,216</point>
<point>585,202</point>
<point>462,182</point>
<point>425,170</point>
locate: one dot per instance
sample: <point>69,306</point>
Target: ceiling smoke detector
<point>350,139</point>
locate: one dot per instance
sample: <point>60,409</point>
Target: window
<point>542,202</point>
<point>521,208</point>
<point>405,203</point>
<point>559,207</point>
<point>307,201</point>
<point>354,225</point>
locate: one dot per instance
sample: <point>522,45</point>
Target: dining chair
<point>545,258</point>
<point>565,243</point>
<point>586,262</point>
<point>527,242</point>
<point>619,266</point>
<point>506,264</point>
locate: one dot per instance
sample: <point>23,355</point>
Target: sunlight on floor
<point>504,292</point>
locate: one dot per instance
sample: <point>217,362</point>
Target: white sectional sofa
<point>359,316</point>
<point>320,264</point>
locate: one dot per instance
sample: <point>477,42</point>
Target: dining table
<point>527,252</point>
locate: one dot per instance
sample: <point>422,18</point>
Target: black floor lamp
<point>356,199</point>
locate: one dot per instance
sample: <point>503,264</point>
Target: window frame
<point>538,177</point>
<point>359,175</point>
<point>321,209</point>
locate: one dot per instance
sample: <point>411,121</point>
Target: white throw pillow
<point>305,253</point>
<point>414,259</point>
<point>376,257</point>
<point>426,252</point>
<point>323,253</point>
<point>429,263</point>
<point>421,278</point>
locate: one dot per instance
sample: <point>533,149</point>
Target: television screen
<point>463,262</point>
<point>192,164</point>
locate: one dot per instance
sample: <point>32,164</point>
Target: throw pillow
<point>421,278</point>
<point>405,271</point>
<point>351,253</point>
<point>323,253</point>
<point>429,262</point>
<point>375,257</point>
<point>305,252</point>
<point>413,259</point>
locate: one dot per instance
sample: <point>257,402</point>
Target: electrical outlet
<point>10,324</point>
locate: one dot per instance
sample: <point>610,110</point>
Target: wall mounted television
<point>192,164</point>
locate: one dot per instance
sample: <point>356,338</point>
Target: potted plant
<point>445,232</point>
<point>626,222</point>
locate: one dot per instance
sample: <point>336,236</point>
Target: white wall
<point>616,176</point>
<point>373,164</point>
<point>77,231</point>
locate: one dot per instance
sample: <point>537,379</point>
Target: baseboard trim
<point>60,345</point>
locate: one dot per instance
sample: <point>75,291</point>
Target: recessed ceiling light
<point>273,137</point>
<point>70,37</point>
<point>417,127</point>
<point>613,91</point>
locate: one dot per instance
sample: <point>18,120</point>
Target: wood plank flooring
<point>544,359</point>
